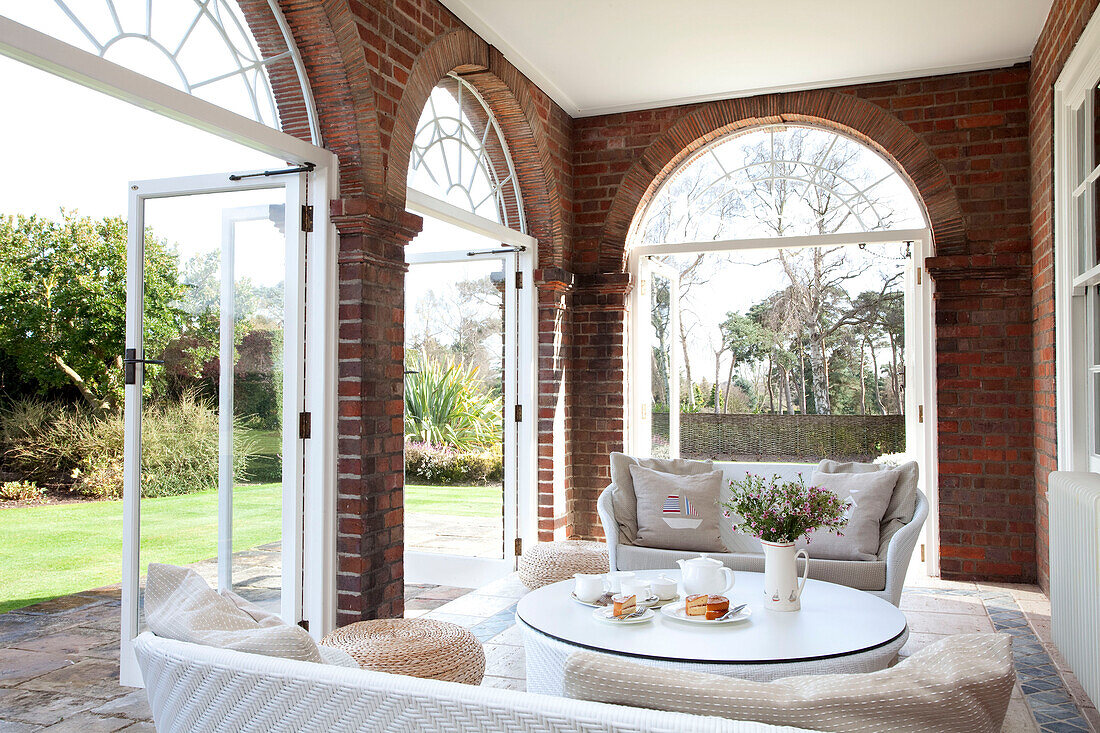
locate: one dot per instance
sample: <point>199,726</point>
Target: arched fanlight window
<point>779,181</point>
<point>202,47</point>
<point>459,156</point>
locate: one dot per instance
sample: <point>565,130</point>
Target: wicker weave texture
<point>723,437</point>
<point>197,689</point>
<point>551,562</point>
<point>419,647</point>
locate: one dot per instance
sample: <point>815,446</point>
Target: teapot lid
<point>704,560</point>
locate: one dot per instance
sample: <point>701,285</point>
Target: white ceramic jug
<point>782,586</point>
<point>705,575</point>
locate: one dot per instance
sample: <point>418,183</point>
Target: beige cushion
<point>677,512</point>
<point>960,684</point>
<point>623,499</point>
<point>903,504</point>
<point>180,605</point>
<point>868,495</point>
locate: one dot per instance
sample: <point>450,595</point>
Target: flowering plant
<point>782,511</point>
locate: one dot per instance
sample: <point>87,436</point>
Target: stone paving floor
<point>443,533</point>
<point>59,659</point>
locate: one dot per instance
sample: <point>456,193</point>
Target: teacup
<point>588,588</point>
<point>615,580</point>
<point>636,587</point>
<point>663,587</point>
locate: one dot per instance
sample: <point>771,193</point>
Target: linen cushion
<point>677,512</point>
<point>869,495</point>
<point>903,504</point>
<point>961,684</point>
<point>623,499</point>
<point>180,605</point>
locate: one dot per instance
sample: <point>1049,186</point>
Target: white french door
<point>228,352</point>
<point>657,364</point>
<point>464,307</point>
<point>656,354</point>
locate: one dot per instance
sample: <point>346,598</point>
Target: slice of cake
<point>717,606</point>
<point>622,605</point>
<point>696,605</point>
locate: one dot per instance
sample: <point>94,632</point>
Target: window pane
<point>660,308</point>
<point>1080,229</point>
<point>1082,129</point>
<point>1094,418</point>
<point>1092,310</point>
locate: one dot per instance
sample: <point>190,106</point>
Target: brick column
<point>370,520</point>
<point>555,478</point>
<point>598,404</point>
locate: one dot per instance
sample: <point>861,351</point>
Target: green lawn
<point>50,551</point>
<point>457,501</point>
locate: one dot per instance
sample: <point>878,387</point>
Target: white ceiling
<point>599,56</point>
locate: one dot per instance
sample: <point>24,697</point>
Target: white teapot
<point>705,575</point>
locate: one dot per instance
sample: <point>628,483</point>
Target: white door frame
<point>920,348</point>
<point>642,383</point>
<point>61,59</point>
<point>462,570</point>
<point>526,381</point>
<point>294,583</point>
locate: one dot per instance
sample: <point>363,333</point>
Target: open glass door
<point>215,318</point>
<point>658,382</point>
<point>461,504</point>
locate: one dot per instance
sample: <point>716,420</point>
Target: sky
<point>68,146</point>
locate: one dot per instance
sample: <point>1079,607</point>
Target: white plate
<point>651,602</point>
<point>679,612</point>
<point>604,614</point>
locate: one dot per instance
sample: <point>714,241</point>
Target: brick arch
<point>842,113</point>
<point>332,53</point>
<point>510,102</point>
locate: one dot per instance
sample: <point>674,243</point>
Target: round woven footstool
<point>549,562</point>
<point>417,647</point>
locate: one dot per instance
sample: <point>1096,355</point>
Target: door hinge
<point>305,425</point>
<point>519,413</point>
<point>922,552</point>
<point>519,280</point>
<point>307,218</point>
<point>519,546</point>
<point>919,274</point>
<point>920,413</point>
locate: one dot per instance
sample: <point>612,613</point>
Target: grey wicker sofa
<point>884,576</point>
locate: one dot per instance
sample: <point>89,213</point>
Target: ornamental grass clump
<point>781,511</point>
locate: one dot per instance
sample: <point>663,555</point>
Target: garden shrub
<point>20,491</point>
<point>445,404</point>
<point>443,466</point>
<point>45,441</point>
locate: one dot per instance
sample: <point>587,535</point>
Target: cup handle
<point>805,570</point>
<point>729,577</point>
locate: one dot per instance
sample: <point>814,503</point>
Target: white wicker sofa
<point>884,576</point>
<point>200,689</point>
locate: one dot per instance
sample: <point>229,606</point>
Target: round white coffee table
<point>838,630</point>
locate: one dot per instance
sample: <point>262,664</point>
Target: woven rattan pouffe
<point>549,562</point>
<point>417,647</point>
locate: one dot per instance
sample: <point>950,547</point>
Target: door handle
<point>129,360</point>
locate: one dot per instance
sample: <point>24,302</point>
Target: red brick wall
<point>963,140</point>
<point>1063,27</point>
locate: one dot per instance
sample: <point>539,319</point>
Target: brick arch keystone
<point>844,113</point>
<point>507,96</point>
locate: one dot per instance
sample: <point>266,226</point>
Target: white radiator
<point>1074,506</point>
